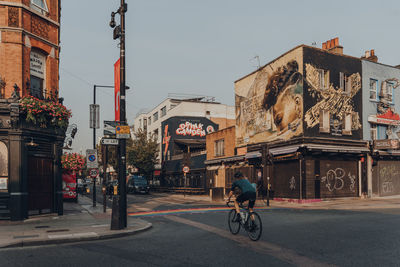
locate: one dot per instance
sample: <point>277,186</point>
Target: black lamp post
<point>119,32</point>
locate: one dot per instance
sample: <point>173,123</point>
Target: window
<point>372,89</point>
<point>155,134</point>
<point>344,83</point>
<point>3,166</point>
<point>145,125</point>
<point>324,119</point>
<point>347,124</point>
<point>155,116</point>
<point>37,71</point>
<point>219,148</point>
<point>323,77</point>
<point>208,114</point>
<point>389,92</point>
<point>149,120</point>
<point>374,132</point>
<point>39,5</point>
<point>172,106</point>
<point>163,111</point>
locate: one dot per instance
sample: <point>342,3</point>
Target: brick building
<point>30,173</point>
<point>29,47</point>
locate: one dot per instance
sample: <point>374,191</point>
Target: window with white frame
<point>324,121</point>
<point>39,5</point>
<point>219,148</point>
<point>374,132</point>
<point>163,111</point>
<point>373,89</point>
<point>348,119</point>
<point>323,77</point>
<point>344,83</point>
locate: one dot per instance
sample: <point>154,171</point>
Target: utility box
<point>217,194</point>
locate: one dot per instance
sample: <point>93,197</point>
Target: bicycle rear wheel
<point>234,226</point>
<point>254,229</point>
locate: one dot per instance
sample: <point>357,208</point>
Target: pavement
<point>80,222</point>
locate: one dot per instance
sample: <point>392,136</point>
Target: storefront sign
<point>38,62</point>
<point>384,121</point>
<point>193,129</point>
<point>386,144</point>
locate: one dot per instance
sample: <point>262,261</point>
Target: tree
<point>142,153</point>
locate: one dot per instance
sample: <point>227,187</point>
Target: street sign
<point>109,141</point>
<point>123,132</point>
<point>94,173</point>
<point>186,169</point>
<point>109,128</point>
<point>91,159</point>
<point>94,116</point>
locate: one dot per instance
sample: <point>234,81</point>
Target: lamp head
<point>112,22</point>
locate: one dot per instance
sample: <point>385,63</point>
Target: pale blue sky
<point>202,46</point>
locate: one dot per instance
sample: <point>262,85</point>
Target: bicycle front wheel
<point>234,226</point>
<point>254,230</point>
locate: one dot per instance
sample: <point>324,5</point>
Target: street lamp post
<point>119,32</point>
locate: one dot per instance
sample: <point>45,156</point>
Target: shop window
<point>163,111</point>
<point>219,148</point>
<point>324,119</point>
<point>347,124</point>
<point>373,89</point>
<point>323,77</point>
<point>3,167</point>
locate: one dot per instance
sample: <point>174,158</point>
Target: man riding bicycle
<point>248,192</point>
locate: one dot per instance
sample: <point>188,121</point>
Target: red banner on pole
<point>117,93</point>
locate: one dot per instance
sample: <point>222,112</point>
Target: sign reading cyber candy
<point>193,129</point>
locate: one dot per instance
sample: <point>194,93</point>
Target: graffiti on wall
<point>388,179</point>
<point>335,180</point>
<point>271,105</point>
<point>336,100</point>
<point>292,183</point>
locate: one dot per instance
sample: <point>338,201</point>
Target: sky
<point>201,47</point>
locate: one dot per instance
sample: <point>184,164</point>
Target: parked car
<point>137,184</point>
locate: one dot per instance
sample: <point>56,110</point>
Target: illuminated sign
<point>193,129</point>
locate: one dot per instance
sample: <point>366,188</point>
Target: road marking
<point>273,250</point>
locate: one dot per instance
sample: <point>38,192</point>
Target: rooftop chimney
<point>333,46</point>
<point>370,55</point>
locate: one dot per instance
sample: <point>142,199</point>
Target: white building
<point>221,114</point>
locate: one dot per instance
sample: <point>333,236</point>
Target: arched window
<point>38,70</point>
<point>3,166</point>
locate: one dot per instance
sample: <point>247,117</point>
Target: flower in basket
<point>73,162</point>
<point>45,112</point>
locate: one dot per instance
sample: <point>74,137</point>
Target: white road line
<point>275,251</point>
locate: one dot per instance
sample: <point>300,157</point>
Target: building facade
<point>30,174</point>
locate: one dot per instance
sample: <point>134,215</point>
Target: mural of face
<point>287,109</point>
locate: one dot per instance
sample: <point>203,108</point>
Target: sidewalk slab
<point>80,222</point>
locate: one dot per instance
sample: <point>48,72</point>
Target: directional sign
<point>94,173</point>
<point>91,158</point>
<point>186,169</point>
<point>123,132</point>
<point>109,127</point>
<point>109,141</point>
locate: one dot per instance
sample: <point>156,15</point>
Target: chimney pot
<point>372,52</point>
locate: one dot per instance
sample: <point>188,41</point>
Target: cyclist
<point>248,192</point>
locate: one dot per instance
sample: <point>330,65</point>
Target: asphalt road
<point>291,237</point>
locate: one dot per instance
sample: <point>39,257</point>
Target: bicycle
<point>252,227</point>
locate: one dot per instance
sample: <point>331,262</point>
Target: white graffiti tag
<point>334,179</point>
<point>352,182</point>
<point>292,183</point>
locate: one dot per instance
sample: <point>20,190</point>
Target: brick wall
<point>228,134</point>
<point>40,32</point>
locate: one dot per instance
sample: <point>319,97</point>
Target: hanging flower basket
<point>45,113</point>
<point>73,162</point>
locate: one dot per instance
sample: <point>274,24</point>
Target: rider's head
<point>238,175</point>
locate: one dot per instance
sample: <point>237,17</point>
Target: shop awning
<point>336,148</point>
<point>221,160</point>
<point>283,150</point>
<point>213,168</point>
<point>253,155</point>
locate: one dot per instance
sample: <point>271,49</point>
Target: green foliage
<point>142,152</point>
